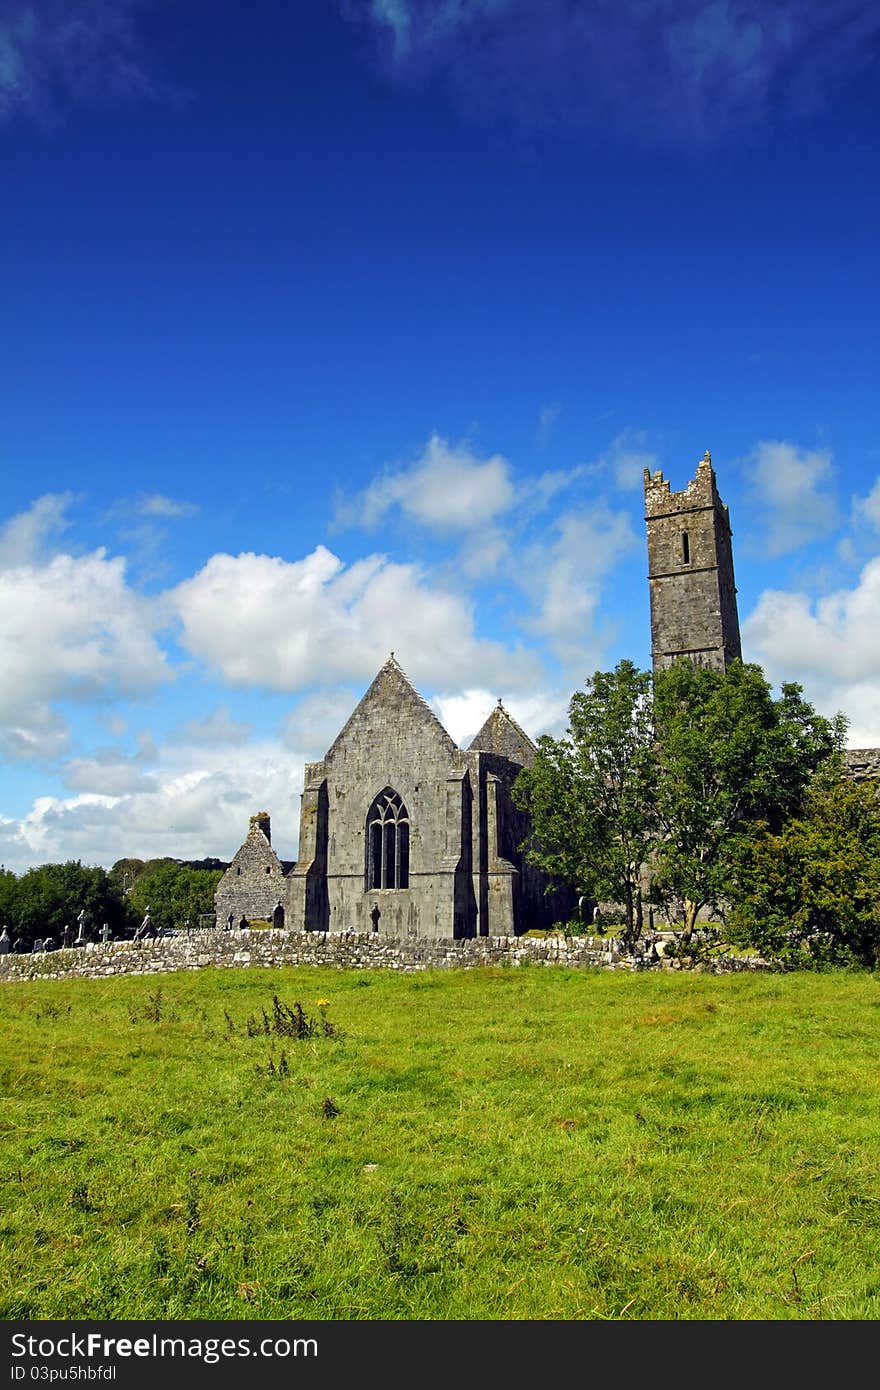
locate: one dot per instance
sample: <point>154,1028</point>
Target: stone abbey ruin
<point>406,834</point>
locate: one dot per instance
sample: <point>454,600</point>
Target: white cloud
<point>217,727</point>
<point>316,720</point>
<point>791,485</point>
<point>463,713</point>
<point>565,582</point>
<point>286,625</point>
<point>195,803</point>
<point>70,629</point>
<point>832,647</point>
<point>868,508</point>
<point>447,488</point>
<point>156,504</point>
<point>627,458</point>
<point>23,537</point>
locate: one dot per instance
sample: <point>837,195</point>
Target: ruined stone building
<point>404,833</point>
<point>401,832</point>
<point>690,572</point>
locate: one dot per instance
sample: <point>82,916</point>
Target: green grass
<point>513,1144</point>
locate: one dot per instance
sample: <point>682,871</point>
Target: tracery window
<point>388,842</point>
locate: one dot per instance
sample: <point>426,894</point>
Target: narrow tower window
<point>685,548</point>
<point>387,842</point>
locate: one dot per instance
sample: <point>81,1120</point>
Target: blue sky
<point>341,327</point>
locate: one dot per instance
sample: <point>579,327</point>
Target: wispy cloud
<point>791,486</point>
<point>627,457</point>
<point>25,537</point>
<point>669,72</point>
<point>62,52</point>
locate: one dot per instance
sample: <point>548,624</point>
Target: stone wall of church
<point>254,882</point>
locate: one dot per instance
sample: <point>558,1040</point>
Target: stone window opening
<point>387,842</point>
<point>685,548</point>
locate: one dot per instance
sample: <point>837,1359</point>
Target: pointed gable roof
<point>503,736</point>
<point>393,691</point>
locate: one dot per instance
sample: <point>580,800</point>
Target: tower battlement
<point>690,571</point>
<point>701,491</point>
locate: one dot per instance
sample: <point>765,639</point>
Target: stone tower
<point>690,572</point>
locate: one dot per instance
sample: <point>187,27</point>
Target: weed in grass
<point>329,1108</point>
<point>152,1011</point>
<point>79,1198</point>
<point>280,1069</point>
<point>287,1022</point>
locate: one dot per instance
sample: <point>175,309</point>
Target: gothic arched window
<point>387,842</point>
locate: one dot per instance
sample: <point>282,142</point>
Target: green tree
<point>814,888</point>
<point>173,892</point>
<point>49,898</point>
<point>730,759</point>
<point>589,794</point>
<point>126,872</point>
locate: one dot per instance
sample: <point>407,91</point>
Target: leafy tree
<point>8,900</point>
<point>814,888</point>
<point>126,872</point>
<point>173,892</point>
<point>730,758</point>
<point>48,898</point>
<point>589,795</point>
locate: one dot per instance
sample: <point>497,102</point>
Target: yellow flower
<point>322,1003</point>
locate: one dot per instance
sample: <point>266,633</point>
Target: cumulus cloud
<point>791,487</point>
<point>69,51</point>
<point>463,713</point>
<point>316,720</point>
<point>70,629</point>
<point>23,538</point>
<point>831,646</point>
<point>867,509</point>
<point>565,581</point>
<point>672,72</point>
<point>287,625</point>
<point>447,488</point>
<point>218,727</point>
<point>196,802</point>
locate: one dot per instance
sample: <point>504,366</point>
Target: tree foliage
<point>43,901</point>
<point>729,759</point>
<point>670,773</point>
<point>173,892</point>
<point>812,890</point>
<point>587,793</point>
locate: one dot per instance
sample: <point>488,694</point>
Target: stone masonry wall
<point>254,882</point>
<point>344,951</point>
<point>690,572</point>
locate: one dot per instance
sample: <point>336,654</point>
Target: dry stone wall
<point>341,950</point>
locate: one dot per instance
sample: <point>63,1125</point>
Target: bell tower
<point>690,572</point>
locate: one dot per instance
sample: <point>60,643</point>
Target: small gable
<point>502,736</point>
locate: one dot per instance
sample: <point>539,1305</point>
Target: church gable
<point>502,736</point>
<point>391,718</point>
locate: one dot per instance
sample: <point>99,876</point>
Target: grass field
<point>497,1143</point>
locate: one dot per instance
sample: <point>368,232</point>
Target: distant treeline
<point>46,900</point>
